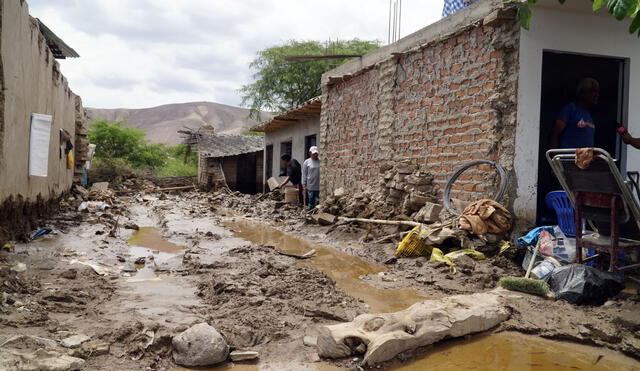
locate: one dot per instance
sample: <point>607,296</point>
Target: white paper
<point>39,138</point>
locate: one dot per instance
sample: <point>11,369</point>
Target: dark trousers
<point>313,198</point>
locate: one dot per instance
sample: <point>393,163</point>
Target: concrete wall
<point>575,30</point>
<point>437,105</point>
<point>296,134</point>
<point>32,83</point>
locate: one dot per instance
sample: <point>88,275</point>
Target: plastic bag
<point>565,249</point>
<point>581,284</point>
<point>531,238</point>
<point>546,243</point>
<point>438,256</point>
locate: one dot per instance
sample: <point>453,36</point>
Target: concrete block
<point>74,341</point>
<point>100,186</point>
<point>325,219</point>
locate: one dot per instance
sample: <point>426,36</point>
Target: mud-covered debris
<point>74,341</point>
<point>141,260</point>
<point>243,355</point>
<point>41,360</point>
<point>200,345</point>
<point>69,274</point>
<point>133,226</point>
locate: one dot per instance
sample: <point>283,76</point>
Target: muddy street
<point>113,288</point>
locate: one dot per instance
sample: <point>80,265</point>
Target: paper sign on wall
<point>39,138</point>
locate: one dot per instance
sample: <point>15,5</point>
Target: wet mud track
<point>189,262</point>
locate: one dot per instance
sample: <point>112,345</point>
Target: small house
<point>230,160</point>
<point>292,132</point>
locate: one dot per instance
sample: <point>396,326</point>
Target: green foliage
<point>113,140</point>
<point>122,151</point>
<point>620,9</point>
<point>280,85</point>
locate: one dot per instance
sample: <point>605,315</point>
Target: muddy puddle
<point>343,268</point>
<point>514,351</point>
<point>148,242</point>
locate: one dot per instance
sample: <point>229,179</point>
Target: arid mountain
<point>163,122</point>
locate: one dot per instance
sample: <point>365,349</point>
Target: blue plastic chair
<point>559,201</point>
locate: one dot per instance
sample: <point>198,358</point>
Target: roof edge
<point>264,127</point>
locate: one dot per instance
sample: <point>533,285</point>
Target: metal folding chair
<point>600,195</point>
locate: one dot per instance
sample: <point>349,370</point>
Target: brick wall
<point>438,105</point>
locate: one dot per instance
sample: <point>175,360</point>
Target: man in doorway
<point>574,126</point>
<point>627,138</point>
<point>311,178</point>
<point>293,174</point>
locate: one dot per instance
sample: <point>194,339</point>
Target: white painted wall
<point>575,30</point>
<point>295,133</point>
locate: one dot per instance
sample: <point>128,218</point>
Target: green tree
<point>620,9</point>
<point>114,141</point>
<point>280,85</point>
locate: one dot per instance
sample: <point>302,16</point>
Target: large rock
<point>380,337</point>
<point>429,213</point>
<point>200,345</point>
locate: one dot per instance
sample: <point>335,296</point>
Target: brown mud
<point>204,262</point>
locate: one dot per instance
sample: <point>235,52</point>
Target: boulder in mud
<point>199,345</point>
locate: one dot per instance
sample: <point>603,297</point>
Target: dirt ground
<point>140,272</point>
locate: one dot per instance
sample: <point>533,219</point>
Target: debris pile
<point>402,192</point>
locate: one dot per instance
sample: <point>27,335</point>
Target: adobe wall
<point>30,82</point>
<point>437,104</point>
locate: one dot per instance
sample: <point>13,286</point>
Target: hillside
<point>163,122</point>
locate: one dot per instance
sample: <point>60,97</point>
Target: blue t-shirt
<point>580,129</point>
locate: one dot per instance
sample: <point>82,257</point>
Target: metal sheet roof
<point>59,48</point>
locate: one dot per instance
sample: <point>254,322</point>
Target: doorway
<point>246,174</point>
<point>309,141</point>
<point>561,73</point>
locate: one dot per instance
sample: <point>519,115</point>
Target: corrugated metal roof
<point>225,145</point>
<point>306,110</point>
<point>59,48</point>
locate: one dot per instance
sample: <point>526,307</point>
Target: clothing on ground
<point>311,174</point>
<point>293,171</point>
<point>580,129</point>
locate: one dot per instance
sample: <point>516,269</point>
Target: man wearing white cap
<point>311,178</point>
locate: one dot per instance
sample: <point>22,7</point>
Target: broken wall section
<point>31,83</point>
<point>437,105</point>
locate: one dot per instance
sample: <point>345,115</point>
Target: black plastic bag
<point>581,284</point>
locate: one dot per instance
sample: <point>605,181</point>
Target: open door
<point>561,73</point>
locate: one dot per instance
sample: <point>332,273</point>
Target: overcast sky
<point>143,53</point>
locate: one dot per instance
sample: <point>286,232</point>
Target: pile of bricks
<point>402,192</point>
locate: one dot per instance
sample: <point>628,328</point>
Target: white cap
<point>313,149</point>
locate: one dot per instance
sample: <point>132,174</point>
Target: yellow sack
<point>70,159</point>
<point>471,252</point>
<point>414,244</point>
<point>438,256</point>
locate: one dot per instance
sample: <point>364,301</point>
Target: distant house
<point>41,119</point>
<point>292,132</point>
<point>229,159</point>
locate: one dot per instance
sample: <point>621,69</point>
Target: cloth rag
<point>485,216</point>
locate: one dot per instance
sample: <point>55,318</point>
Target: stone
<point>141,260</point>
<point>340,192</point>
<point>199,345</point>
<point>385,167</point>
<point>41,359</point>
<point>69,274</point>
<point>310,341</point>
<point>100,187</point>
<point>380,337</point>
<point>429,213</point>
<point>418,200</point>
<point>326,219</point>
<point>406,167</point>
<point>82,190</point>
<point>74,341</point>
<point>243,355</point>
<point>395,193</point>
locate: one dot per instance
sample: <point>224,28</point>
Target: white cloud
<point>142,53</point>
